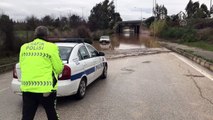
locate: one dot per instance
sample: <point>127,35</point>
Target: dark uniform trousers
<point>31,102</point>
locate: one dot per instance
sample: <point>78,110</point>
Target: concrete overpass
<point>133,26</point>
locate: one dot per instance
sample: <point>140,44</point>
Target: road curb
<point>190,56</point>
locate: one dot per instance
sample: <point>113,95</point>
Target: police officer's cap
<point>41,31</point>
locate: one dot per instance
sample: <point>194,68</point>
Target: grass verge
<point>200,44</point>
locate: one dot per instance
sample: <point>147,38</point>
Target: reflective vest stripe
<point>36,83</point>
<point>25,54</point>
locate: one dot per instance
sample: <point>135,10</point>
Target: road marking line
<point>2,90</point>
<point>208,75</point>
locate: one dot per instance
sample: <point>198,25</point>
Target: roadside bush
<point>181,34</point>
<point>55,33</point>
<point>190,37</point>
<point>83,32</point>
<point>157,27</point>
<point>96,35</point>
<point>205,34</point>
<point>22,37</point>
<point>200,23</point>
<point>2,40</point>
<point>149,21</point>
<point>173,32</point>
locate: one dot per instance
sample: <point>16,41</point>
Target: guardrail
<point>7,67</point>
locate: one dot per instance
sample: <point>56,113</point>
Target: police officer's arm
<point>56,61</point>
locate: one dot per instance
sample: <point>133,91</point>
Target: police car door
<point>97,61</point>
<point>87,63</point>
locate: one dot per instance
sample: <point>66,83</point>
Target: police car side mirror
<point>101,54</point>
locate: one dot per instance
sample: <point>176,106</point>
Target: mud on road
<point>113,54</point>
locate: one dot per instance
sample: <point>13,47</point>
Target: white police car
<point>83,65</point>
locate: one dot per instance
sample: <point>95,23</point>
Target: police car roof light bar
<point>70,40</point>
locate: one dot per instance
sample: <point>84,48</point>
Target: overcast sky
<point>129,9</point>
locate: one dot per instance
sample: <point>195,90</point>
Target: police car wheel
<point>81,90</point>
<point>104,74</point>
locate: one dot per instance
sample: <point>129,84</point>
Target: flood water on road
<point>128,41</point>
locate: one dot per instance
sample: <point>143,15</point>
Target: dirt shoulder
<point>114,54</point>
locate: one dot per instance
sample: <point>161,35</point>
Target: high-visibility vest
<point>40,63</point>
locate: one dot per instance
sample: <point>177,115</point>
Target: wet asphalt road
<point>152,87</point>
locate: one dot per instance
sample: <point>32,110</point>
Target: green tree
<point>175,17</point>
<point>173,20</point>
<point>103,16</point>
<point>189,9</point>
<point>75,21</point>
<point>64,23</point>
<point>195,7</point>
<point>47,20</point>
<point>204,9</point>
<point>32,22</point>
<point>194,10</point>
<point>56,23</point>
<point>6,27</point>
<point>149,21</point>
<point>160,11</point>
<point>116,18</point>
<point>211,10</point>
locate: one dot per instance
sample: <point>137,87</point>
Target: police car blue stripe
<point>79,75</point>
<point>89,71</point>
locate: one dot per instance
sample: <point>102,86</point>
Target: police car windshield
<point>65,52</point>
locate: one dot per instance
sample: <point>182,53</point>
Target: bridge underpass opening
<point>131,26</point>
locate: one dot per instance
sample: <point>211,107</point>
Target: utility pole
<point>154,7</point>
<point>116,5</point>
<point>2,12</point>
<point>154,4</point>
<point>210,5</point>
<point>140,12</point>
<point>82,15</point>
<point>154,10</point>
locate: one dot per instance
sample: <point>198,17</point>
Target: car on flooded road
<point>104,39</point>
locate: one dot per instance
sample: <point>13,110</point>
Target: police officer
<point>40,65</point>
